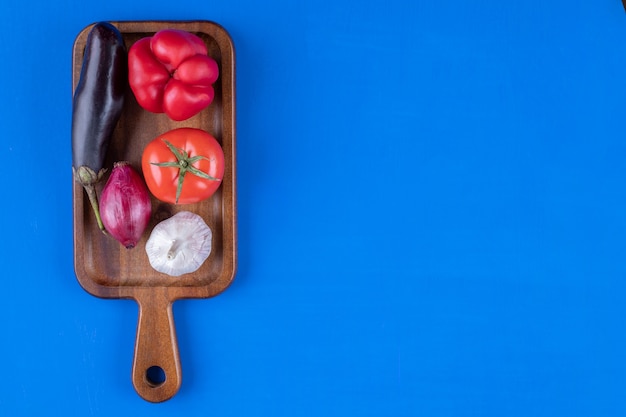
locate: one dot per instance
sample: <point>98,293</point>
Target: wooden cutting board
<point>104,268</point>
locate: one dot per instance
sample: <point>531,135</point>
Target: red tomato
<point>183,166</point>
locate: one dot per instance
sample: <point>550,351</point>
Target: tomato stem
<point>184,163</point>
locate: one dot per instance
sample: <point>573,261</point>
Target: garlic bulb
<point>179,245</point>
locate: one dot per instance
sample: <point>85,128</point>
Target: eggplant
<point>97,106</point>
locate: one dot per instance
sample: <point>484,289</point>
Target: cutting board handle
<point>156,370</point>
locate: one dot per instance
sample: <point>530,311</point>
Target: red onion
<point>125,205</point>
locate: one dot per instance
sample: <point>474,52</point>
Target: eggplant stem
<point>93,199</point>
<point>87,177</point>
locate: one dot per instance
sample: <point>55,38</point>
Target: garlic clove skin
<point>179,245</point>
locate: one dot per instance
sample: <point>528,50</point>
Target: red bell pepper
<point>171,73</point>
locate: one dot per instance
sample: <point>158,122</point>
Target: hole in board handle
<point>155,376</point>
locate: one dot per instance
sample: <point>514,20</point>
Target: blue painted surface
<point>432,216</point>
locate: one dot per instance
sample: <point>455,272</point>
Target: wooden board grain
<point>106,269</point>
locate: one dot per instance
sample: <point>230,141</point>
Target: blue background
<point>432,215</point>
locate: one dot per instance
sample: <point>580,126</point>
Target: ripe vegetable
<point>171,73</point>
<point>125,205</point>
<point>183,166</point>
<point>180,244</point>
<point>97,106</point>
